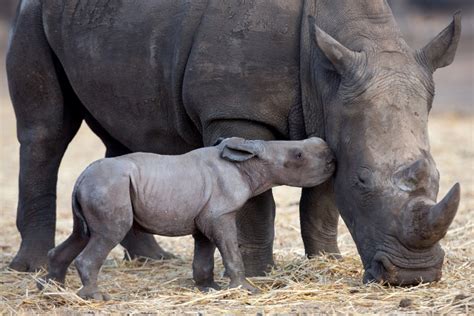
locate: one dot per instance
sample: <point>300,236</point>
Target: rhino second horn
<point>411,178</point>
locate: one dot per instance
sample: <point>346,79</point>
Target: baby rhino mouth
<point>390,270</point>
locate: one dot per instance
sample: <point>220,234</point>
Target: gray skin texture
<point>171,76</point>
<point>197,193</point>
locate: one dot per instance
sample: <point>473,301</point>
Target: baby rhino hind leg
<point>61,257</point>
<point>107,208</point>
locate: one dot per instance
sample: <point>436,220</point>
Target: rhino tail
<point>80,223</point>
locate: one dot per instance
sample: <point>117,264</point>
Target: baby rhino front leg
<point>223,232</point>
<point>203,263</point>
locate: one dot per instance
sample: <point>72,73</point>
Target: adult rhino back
<point>125,61</point>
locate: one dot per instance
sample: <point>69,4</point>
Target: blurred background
<point>420,21</point>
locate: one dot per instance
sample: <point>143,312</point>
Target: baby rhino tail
<point>80,222</point>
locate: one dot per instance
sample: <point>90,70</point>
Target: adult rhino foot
<point>31,257</point>
<point>257,260</point>
<point>140,245</point>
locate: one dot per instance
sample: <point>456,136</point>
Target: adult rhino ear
<point>239,150</point>
<point>440,52</point>
<point>341,58</point>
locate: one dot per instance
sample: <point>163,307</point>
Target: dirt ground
<point>296,284</point>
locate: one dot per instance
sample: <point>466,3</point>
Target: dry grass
<point>296,285</point>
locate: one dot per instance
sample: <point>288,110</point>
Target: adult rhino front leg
<point>319,218</point>
<point>256,231</point>
<point>256,220</point>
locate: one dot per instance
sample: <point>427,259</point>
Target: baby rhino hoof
<point>40,284</point>
<point>88,294</point>
<point>246,286</point>
<point>48,279</point>
<point>208,287</point>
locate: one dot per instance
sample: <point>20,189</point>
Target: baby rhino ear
<point>239,150</point>
<point>218,141</point>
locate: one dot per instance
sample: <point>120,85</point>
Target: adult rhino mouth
<point>401,270</point>
<point>415,256</point>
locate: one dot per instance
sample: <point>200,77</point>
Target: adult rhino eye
<point>299,155</point>
<point>364,179</point>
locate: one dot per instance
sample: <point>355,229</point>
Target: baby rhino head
<point>305,163</point>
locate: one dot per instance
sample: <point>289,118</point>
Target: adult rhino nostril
<point>381,270</point>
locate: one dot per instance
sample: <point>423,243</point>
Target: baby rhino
<point>196,193</point>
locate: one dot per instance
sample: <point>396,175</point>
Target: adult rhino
<point>170,76</point>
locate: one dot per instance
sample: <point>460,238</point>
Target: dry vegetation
<point>296,284</point>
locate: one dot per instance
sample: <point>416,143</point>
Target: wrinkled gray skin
<point>196,193</point>
<point>171,76</point>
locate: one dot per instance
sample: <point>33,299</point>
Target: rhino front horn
<point>442,214</point>
<point>426,222</point>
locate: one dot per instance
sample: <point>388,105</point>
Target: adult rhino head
<point>374,95</point>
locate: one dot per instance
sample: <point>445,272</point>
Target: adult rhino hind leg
<point>256,219</point>
<point>319,219</point>
<point>143,246</point>
<point>47,119</point>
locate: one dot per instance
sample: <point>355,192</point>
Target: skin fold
<point>197,193</point>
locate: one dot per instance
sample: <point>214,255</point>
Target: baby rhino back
<point>167,192</point>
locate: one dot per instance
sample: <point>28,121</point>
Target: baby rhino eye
<point>294,159</point>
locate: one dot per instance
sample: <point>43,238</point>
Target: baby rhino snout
<point>329,161</point>
<point>321,162</point>
<point>323,153</point>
